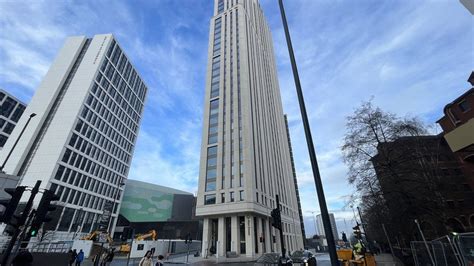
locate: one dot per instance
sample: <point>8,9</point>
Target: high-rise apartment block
<point>11,110</point>
<point>320,225</point>
<point>80,143</point>
<point>245,153</point>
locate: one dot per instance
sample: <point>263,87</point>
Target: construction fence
<point>457,249</point>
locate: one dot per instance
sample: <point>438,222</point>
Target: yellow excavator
<point>151,234</point>
<point>94,236</point>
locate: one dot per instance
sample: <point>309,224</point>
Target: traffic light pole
<point>21,222</point>
<point>309,140</point>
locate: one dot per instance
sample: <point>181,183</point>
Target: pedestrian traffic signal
<point>42,211</point>
<point>276,218</point>
<point>11,204</point>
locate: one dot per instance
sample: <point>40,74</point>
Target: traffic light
<point>357,232</point>
<point>42,211</point>
<point>11,204</point>
<point>276,218</point>
<point>344,237</point>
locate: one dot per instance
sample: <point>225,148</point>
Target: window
<point>18,112</point>
<point>242,195</point>
<point>222,197</point>
<point>9,128</point>
<point>210,199</point>
<point>464,106</point>
<point>232,199</point>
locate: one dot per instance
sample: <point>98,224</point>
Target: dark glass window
<point>18,112</point>
<point>464,106</point>
<point>66,219</point>
<point>2,122</point>
<point>7,107</point>
<point>209,199</point>
<point>9,128</point>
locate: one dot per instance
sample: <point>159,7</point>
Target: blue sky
<point>413,57</point>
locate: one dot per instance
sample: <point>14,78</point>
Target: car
<point>303,257</point>
<point>274,259</point>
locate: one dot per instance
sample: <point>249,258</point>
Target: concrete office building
<point>80,143</point>
<point>11,110</point>
<point>320,226</point>
<point>245,154</point>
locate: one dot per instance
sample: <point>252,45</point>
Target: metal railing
<point>457,249</point>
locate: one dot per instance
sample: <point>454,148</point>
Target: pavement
<point>386,259</point>
<point>323,260</point>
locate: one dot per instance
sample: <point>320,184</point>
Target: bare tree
<point>393,167</point>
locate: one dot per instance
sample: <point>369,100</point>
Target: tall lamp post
<point>16,142</point>
<point>309,141</point>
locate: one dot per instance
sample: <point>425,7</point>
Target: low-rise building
<point>168,211</point>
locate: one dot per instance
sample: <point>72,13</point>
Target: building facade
<point>80,143</point>
<point>11,110</point>
<point>245,155</point>
<point>320,226</point>
<point>169,211</point>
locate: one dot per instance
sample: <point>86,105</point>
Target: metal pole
<point>388,239</point>
<point>424,241</point>
<point>21,222</point>
<point>311,150</point>
<point>16,142</point>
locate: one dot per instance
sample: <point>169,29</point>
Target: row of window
<point>105,107</point>
<point>130,75</point>
<point>88,220</point>
<point>72,196</point>
<point>211,170</point>
<point>213,119</point>
<point>7,108</point>
<point>93,185</point>
<point>8,126</point>
<point>105,129</point>
<point>121,95</point>
<point>107,92</point>
<point>220,6</point>
<point>217,37</point>
<point>78,160</point>
<point>86,146</point>
<point>211,198</point>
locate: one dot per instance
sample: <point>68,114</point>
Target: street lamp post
<point>309,141</point>
<point>16,142</point>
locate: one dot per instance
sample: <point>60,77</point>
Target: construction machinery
<point>151,234</point>
<point>95,236</point>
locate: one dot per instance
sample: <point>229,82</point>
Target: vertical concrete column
<point>249,236</point>
<point>205,237</point>
<point>260,234</point>
<point>234,232</point>
<point>268,235</point>
<point>221,236</point>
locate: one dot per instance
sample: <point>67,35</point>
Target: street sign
<point>104,219</point>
